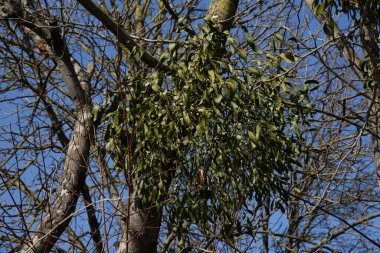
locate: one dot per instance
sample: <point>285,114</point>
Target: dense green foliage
<point>226,128</point>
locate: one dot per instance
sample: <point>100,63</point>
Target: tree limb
<point>122,35</point>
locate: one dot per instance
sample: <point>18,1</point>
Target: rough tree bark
<point>73,174</point>
<point>70,184</point>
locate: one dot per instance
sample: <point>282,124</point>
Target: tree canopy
<point>189,126</point>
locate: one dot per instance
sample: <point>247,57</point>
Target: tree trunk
<point>73,175</point>
<point>143,229</point>
<point>70,184</point>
